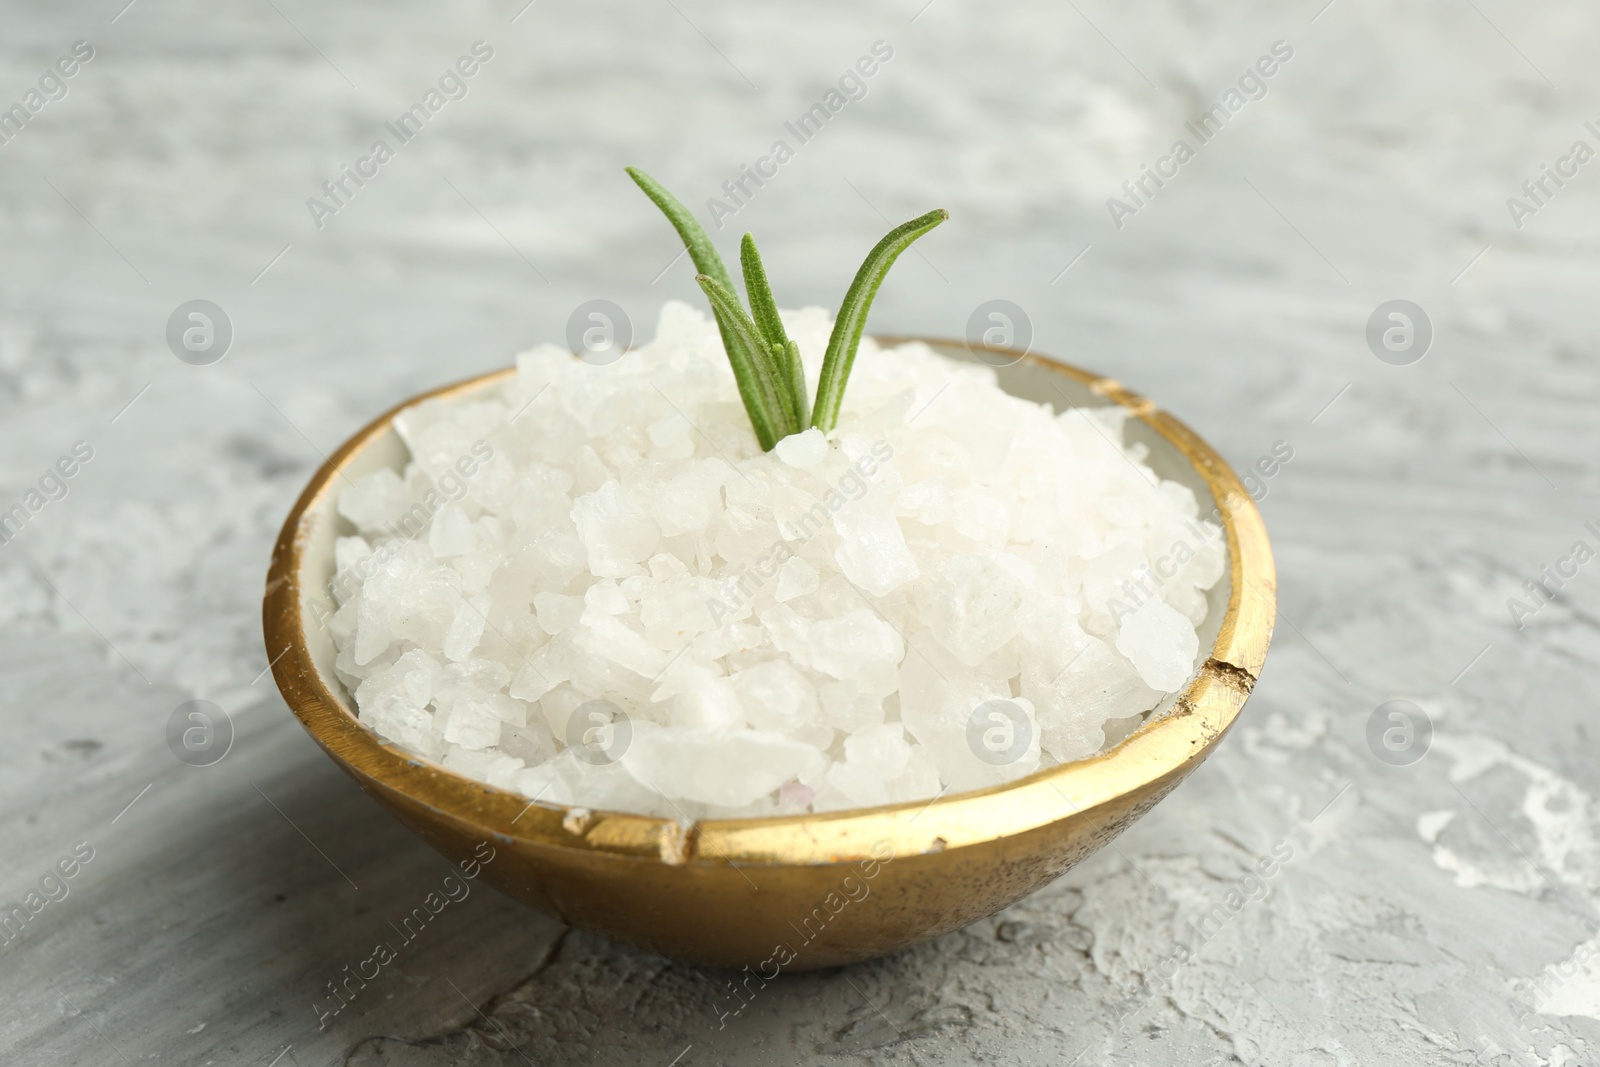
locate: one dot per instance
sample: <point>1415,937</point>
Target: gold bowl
<point>806,891</point>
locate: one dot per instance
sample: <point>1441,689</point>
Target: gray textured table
<point>1438,912</point>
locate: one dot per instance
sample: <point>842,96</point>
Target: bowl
<point>800,892</point>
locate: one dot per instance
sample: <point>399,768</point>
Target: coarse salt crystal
<point>452,533</point>
<point>1160,643</point>
<point>804,449</point>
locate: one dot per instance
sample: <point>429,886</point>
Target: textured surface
<point>1421,907</point>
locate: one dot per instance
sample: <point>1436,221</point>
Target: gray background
<point>1419,901</point>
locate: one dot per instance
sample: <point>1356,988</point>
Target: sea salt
<point>589,585</point>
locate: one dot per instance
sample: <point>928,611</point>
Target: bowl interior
<point>1030,378</point>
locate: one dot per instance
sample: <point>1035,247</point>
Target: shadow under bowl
<point>805,891</point>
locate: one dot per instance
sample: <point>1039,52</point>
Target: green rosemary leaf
<point>753,367</point>
<point>749,367</point>
<point>791,378</point>
<point>797,383</point>
<point>852,318</point>
<point>701,250</point>
<point>763,309</point>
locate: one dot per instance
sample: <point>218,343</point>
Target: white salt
<point>452,533</point>
<point>796,578</point>
<point>1160,643</point>
<point>880,749</point>
<point>375,503</point>
<point>616,532</point>
<point>938,596</point>
<point>805,449</point>
<point>723,767</point>
<point>972,606</point>
<point>469,722</point>
<point>466,629</point>
<point>857,646</point>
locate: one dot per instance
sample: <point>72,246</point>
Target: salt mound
<point>591,586</point>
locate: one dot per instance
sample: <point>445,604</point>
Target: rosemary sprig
<point>766,363</point>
